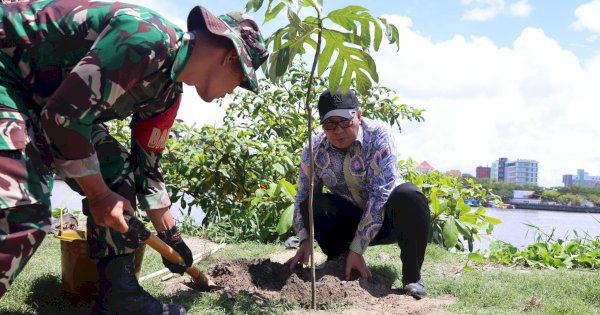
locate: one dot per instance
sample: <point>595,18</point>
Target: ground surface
<point>271,280</point>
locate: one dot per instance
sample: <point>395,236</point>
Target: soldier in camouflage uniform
<point>67,66</point>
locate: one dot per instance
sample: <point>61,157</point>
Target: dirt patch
<point>283,257</point>
<point>264,280</point>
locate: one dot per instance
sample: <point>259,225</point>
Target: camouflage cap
<point>243,32</point>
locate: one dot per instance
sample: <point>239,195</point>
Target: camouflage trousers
<point>25,186</point>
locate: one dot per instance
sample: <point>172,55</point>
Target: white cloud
<point>521,8</point>
<point>534,100</point>
<point>588,17</point>
<point>484,10</point>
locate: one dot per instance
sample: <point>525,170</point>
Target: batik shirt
<point>364,174</point>
<point>87,62</point>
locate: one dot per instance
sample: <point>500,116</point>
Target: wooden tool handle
<point>173,256</point>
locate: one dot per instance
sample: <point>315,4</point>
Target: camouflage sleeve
<point>123,53</point>
<point>149,139</point>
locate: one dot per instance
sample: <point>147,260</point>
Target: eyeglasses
<point>331,125</point>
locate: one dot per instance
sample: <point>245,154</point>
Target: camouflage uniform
<point>67,66</point>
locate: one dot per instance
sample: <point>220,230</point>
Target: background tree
<point>242,173</point>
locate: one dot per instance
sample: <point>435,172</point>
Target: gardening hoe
<point>136,227</point>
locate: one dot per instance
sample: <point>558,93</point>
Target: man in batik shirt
<point>367,204</point>
<point>67,66</point>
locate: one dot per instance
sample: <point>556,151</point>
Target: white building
<point>519,171</point>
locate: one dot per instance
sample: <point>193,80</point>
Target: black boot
<point>120,293</point>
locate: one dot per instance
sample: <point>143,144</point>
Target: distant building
<point>522,172</point>
<point>424,167</point>
<point>519,171</point>
<point>483,172</point>
<point>581,179</point>
<point>526,196</point>
<point>498,169</point>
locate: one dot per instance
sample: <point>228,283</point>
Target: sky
<point>497,78</point>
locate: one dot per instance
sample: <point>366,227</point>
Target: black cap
<point>337,104</point>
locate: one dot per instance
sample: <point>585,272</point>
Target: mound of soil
<point>267,280</point>
<point>274,281</point>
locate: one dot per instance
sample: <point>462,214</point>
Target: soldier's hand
<point>107,209</point>
<point>173,238</point>
<point>302,255</point>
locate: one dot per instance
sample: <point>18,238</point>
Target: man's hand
<point>302,255</point>
<point>108,208</point>
<point>356,261</point>
<point>173,239</point>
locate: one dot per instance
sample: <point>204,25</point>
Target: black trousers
<point>406,222</point>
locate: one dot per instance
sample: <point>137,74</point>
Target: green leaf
<point>363,83</point>
<point>335,74</point>
<point>393,35</point>
<point>316,5</point>
<point>271,14</point>
<point>463,207</point>
<point>282,61</point>
<point>346,17</point>
<point>450,233</point>
<point>254,5</point>
<point>365,34</point>
<point>476,257</point>
<point>480,210</point>
<point>279,168</point>
<point>293,18</point>
<point>285,220</point>
<point>434,203</point>
<point>325,58</point>
<point>350,59</point>
<point>468,217</point>
<point>290,189</point>
<point>491,220</point>
<point>378,36</point>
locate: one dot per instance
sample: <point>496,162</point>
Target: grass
<point>489,289</point>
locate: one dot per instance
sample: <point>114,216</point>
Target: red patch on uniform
<point>152,133</point>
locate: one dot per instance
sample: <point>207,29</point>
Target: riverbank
<point>488,289</point>
<point>564,208</point>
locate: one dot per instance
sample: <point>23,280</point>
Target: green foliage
<point>345,53</point>
<point>549,252</point>
<point>453,223</point>
<point>576,195</point>
<point>505,189</point>
<point>550,195</point>
<point>120,130</point>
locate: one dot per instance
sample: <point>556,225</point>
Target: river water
<point>512,229</point>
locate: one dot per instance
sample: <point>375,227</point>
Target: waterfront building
<point>497,171</point>
<point>520,171</point>
<point>581,179</point>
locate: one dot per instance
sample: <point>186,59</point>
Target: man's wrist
<point>92,185</point>
<point>169,235</point>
